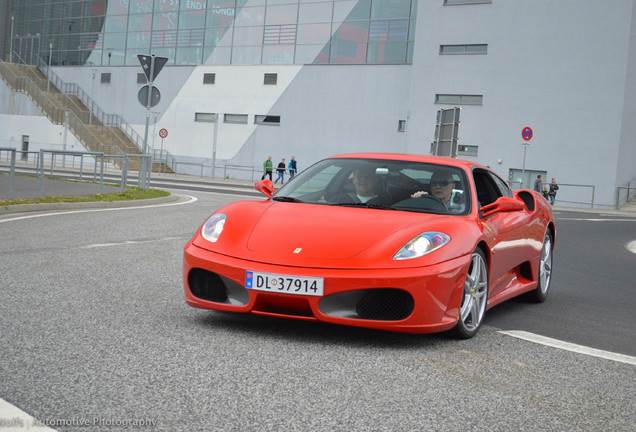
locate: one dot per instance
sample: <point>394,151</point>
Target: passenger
<point>442,187</point>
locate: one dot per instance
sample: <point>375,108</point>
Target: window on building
<point>267,120</point>
<point>205,117</point>
<point>141,78</point>
<point>209,78</point>
<point>235,118</point>
<point>105,78</point>
<point>270,79</point>
<point>458,99</point>
<point>467,150</point>
<point>401,125</point>
<point>464,49</point>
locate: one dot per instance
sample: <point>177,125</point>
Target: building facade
<point>312,78</point>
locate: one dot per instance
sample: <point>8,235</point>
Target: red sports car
<point>386,241</point>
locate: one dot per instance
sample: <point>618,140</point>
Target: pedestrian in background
<point>267,168</point>
<point>537,184</point>
<point>554,187</point>
<point>280,169</point>
<point>293,168</point>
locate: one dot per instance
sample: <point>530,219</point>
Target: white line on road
<point>129,242</point>
<point>631,246</point>
<point>191,199</point>
<point>597,219</point>
<point>555,343</point>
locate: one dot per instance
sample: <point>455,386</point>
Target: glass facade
<point>194,32</point>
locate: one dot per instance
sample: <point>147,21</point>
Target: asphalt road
<point>95,336</point>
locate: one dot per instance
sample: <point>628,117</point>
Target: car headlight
<point>212,228</point>
<point>421,245</point>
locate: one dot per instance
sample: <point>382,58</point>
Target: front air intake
<point>207,286</point>
<point>385,305</point>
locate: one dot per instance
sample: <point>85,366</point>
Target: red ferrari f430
<point>394,242</point>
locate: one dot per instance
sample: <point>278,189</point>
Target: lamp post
<point>48,71</point>
<point>90,119</point>
<point>216,132</point>
<point>11,41</point>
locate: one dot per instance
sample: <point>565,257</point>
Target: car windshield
<point>381,184</point>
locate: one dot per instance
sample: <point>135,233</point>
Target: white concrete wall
<point>560,67</point>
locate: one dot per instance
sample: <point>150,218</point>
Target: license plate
<point>284,283</point>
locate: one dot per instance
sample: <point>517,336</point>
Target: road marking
<point>598,220</point>
<point>631,246</point>
<point>191,199</point>
<point>555,343</point>
<point>14,419</point>
<point>129,242</point>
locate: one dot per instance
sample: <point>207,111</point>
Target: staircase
<point>85,125</point>
<point>630,206</point>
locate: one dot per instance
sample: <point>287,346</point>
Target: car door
<point>505,231</point>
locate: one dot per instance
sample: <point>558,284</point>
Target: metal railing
<point>53,153</point>
<point>67,114</point>
<point>94,114</point>
<point>625,193</point>
<point>11,152</point>
<point>241,168</point>
<point>579,194</point>
<point>94,170</point>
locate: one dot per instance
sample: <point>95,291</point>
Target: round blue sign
<point>526,133</point>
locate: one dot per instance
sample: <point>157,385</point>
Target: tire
<point>540,293</point>
<point>474,298</point>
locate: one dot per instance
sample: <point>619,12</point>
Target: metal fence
<point>570,194</point>
<point>86,166</point>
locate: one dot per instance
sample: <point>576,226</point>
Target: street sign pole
<point>526,134</point>
<point>149,102</point>
<point>144,162</point>
<point>163,133</point>
<point>523,168</point>
<point>151,65</point>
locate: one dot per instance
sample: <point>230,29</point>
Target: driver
<point>442,185</point>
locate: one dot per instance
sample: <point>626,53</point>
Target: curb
<point>24,208</point>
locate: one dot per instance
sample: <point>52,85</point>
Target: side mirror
<point>265,187</point>
<point>502,205</point>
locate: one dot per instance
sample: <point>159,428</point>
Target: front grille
<point>386,305</point>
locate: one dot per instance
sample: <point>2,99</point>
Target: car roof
<point>467,165</point>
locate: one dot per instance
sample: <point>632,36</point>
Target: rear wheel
<point>540,293</point>
<point>475,297</point>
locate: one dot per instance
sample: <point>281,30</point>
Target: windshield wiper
<point>365,205</point>
<point>287,199</point>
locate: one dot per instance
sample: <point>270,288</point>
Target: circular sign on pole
<point>163,133</point>
<point>142,96</point>
<point>526,133</point>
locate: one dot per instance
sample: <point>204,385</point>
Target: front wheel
<point>475,297</point>
<point>540,293</point>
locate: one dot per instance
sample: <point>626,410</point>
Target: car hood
<point>318,235</point>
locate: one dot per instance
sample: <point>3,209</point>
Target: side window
<point>501,185</point>
<point>487,189</point>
